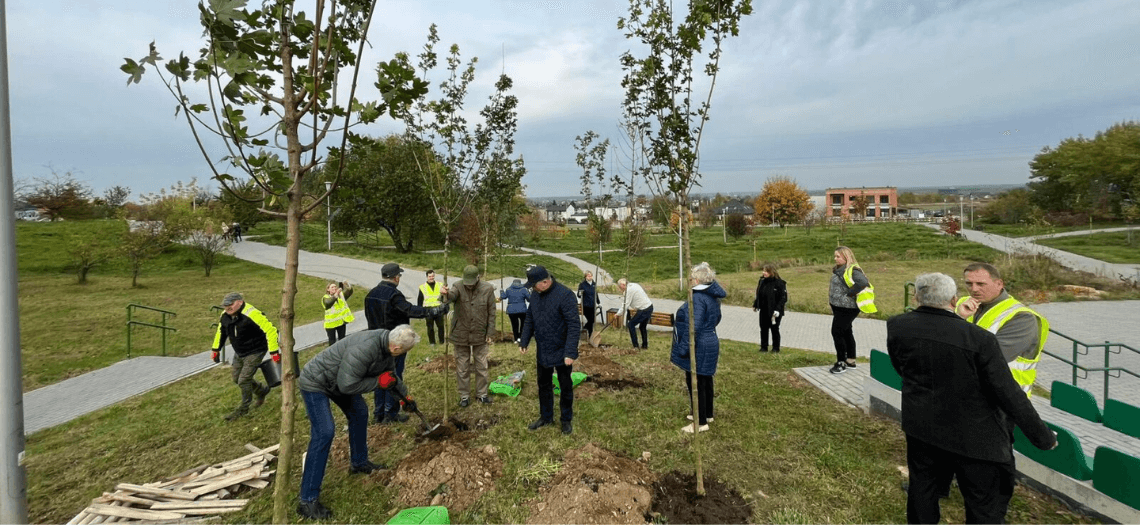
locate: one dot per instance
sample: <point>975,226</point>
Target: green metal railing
<point>908,292</point>
<point>1107,369</point>
<point>131,323</point>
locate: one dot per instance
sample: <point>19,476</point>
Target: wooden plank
<point>89,518</point>
<point>226,481</point>
<point>256,483</point>
<point>179,505</point>
<point>78,517</point>
<point>125,498</point>
<point>166,493</point>
<point>240,465</point>
<point>137,514</point>
<point>209,511</point>
<point>252,448</point>
<point>263,452</point>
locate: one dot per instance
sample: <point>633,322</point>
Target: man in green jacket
<point>472,330</point>
<point>341,374</point>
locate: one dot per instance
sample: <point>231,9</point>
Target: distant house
<point>882,202</point>
<point>559,213</point>
<point>734,207</point>
<point>27,212</point>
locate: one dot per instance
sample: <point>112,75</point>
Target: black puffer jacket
<point>552,320</point>
<point>771,295</point>
<point>351,366</point>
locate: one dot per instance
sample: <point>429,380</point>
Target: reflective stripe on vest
<point>337,314</point>
<point>866,297</point>
<point>431,297</point>
<point>1024,370</point>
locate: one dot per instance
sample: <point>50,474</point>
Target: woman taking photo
<point>771,296</point>
<point>848,294</point>
<point>337,312</point>
<point>706,315</point>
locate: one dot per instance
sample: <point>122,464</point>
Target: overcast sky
<point>831,93</point>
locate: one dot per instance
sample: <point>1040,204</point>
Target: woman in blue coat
<point>517,298</point>
<point>706,307</point>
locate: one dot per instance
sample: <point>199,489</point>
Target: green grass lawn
<point>814,460</point>
<point>1113,247</point>
<point>67,329</point>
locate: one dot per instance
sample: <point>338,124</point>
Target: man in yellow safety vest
<point>1021,332</point>
<point>430,296</point>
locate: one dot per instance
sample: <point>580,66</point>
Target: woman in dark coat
<point>706,307</point>
<point>588,291</point>
<point>517,297</point>
<point>771,296</point>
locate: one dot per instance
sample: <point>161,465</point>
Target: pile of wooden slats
<point>190,496</point>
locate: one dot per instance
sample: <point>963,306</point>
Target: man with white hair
<point>959,405</point>
<point>636,299</point>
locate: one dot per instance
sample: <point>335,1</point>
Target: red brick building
<point>882,203</point>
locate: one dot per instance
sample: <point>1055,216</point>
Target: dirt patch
<point>675,500</point>
<point>594,486</point>
<point>447,473</point>
<point>605,349</point>
<point>604,372</point>
<point>438,362</point>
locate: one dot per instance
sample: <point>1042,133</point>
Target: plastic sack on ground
<point>575,377</point>
<point>508,385</point>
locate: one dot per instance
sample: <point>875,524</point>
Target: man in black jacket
<point>959,405</point>
<point>386,307</point>
<point>341,374</point>
<point>552,320</point>
<point>251,335</point>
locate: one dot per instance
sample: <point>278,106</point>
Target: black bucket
<point>272,371</point>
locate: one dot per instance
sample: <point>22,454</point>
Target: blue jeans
<point>641,320</point>
<point>388,404</point>
<point>546,392</point>
<point>321,430</point>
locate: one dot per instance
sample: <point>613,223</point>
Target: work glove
<point>387,380</point>
<point>276,356</point>
<point>775,315</point>
<point>216,357</point>
<point>409,404</point>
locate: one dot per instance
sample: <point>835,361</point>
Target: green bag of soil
<point>508,385</point>
<point>421,515</point>
<point>575,377</point>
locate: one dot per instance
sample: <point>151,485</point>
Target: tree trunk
<point>444,343</point>
<point>693,403</point>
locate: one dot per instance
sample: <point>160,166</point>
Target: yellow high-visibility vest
<point>1024,370</point>
<point>431,297</point>
<point>865,298</point>
<point>337,314</point>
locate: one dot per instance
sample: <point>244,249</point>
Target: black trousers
<point>546,392</point>
<point>766,326</point>
<point>641,320</point>
<point>986,486</point>
<point>588,312</point>
<point>704,396</point>
<point>842,332</point>
<point>336,334</point>
<point>517,321</point>
<point>437,324</point>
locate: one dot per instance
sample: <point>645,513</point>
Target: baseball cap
<point>391,270</point>
<point>232,298</point>
<point>470,274</point>
<point>536,274</point>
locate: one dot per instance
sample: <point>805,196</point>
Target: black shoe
<point>396,418</point>
<point>464,402</point>
<point>775,350</point>
<point>567,428</point>
<point>539,423</point>
<point>314,510</point>
<point>646,347</point>
<point>259,397</point>
<point>486,400</point>
<point>839,367</point>
<point>850,365</point>
<point>367,468</point>
<point>763,349</point>
<point>379,420</point>
<point>237,413</point>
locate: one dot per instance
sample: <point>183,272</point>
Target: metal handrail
<point>1107,368</point>
<point>908,292</point>
<point>163,326</point>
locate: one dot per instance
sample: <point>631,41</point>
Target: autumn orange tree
<point>782,201</point>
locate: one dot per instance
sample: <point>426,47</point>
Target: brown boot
<point>259,397</point>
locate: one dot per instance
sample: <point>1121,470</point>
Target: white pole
<point>14,496</point>
<point>328,214</point>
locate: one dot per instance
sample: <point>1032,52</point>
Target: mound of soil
<point>438,362</point>
<point>675,500</point>
<point>605,349</point>
<point>604,372</point>
<point>447,473</point>
<point>594,486</point>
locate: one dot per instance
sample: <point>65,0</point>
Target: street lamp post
<point>328,214</point>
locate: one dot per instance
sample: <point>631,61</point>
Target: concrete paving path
<point>1085,321</point>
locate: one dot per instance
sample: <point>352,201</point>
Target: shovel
<point>428,430</point>
<point>596,339</point>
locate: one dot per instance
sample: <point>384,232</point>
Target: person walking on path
<point>430,296</point>
<point>517,297</point>
<point>848,294</point>
<point>1020,331</point>
<point>707,295</point>
<point>959,405</point>
<point>472,331</point>
<point>588,291</point>
<point>636,299</point>
<point>771,296</point>
<point>337,312</point>
<point>237,232</point>
<point>251,335</point>
<point>386,307</point>
<point>341,374</point>
<point>552,321</point>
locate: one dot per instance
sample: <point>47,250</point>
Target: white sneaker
<point>688,429</point>
<point>690,418</point>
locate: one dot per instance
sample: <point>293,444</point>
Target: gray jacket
<point>838,294</point>
<point>351,366</point>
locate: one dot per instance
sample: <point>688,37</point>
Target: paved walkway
<point>1085,321</point>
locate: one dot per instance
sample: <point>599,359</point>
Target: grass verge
<point>1113,247</point>
<point>794,453</point>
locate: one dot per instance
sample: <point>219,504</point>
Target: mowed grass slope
<point>67,329</point>
<point>1113,247</point>
<point>793,452</point>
